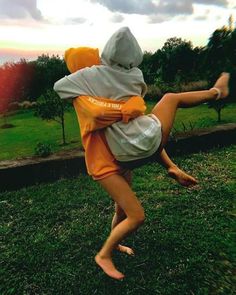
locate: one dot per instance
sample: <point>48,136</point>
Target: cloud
<point>20,9</point>
<point>223,3</point>
<point>157,10</point>
<point>117,18</point>
<point>133,6</point>
<point>75,20</point>
<point>200,17</point>
<point>158,18</point>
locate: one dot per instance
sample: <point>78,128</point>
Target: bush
<point>43,149</point>
<point>167,87</point>
<point>179,86</point>
<point>153,93</point>
<point>194,86</point>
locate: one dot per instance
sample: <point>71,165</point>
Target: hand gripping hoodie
<point>118,78</point>
<point>94,114</point>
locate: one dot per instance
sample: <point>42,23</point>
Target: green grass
<point>186,246</point>
<point>201,117</point>
<point>21,140</point>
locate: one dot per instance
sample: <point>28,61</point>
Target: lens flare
<point>15,80</point>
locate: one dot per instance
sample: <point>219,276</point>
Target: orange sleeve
<point>97,113</point>
<point>94,114</point>
<point>133,108</point>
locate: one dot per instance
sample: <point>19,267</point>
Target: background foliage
<point>176,63</point>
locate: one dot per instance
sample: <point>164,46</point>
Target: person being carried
<point>130,142</point>
<point>118,78</point>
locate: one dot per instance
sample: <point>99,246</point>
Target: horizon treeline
<point>178,61</point>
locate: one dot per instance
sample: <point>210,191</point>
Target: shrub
<point>153,93</point>
<point>166,87</point>
<point>178,86</point>
<point>194,86</point>
<point>43,149</point>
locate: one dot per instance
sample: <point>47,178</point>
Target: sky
<point>29,28</point>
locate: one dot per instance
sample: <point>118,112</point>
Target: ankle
<point>103,256</point>
<point>172,168</point>
<point>216,92</point>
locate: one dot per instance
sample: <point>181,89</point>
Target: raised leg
<point>128,202</point>
<point>166,108</point>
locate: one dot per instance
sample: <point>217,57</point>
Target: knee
<point>139,218</point>
<point>169,96</point>
<point>120,212</point>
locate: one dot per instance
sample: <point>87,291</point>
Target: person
<point>110,80</point>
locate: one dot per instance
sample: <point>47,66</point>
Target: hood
<point>81,57</point>
<point>122,49</point>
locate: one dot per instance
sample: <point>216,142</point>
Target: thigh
<point>120,191</point>
<point>165,111</point>
<point>128,176</point>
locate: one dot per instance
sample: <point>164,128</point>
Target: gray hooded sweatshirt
<point>118,78</point>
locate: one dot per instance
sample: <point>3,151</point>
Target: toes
<point>130,252</point>
<point>125,249</point>
<point>108,267</point>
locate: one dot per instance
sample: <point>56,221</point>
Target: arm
<point>66,89</point>
<point>133,108</point>
<point>96,112</point>
<point>69,88</point>
<point>173,171</point>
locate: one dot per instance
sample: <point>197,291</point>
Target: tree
<point>177,60</point>
<point>15,79</point>
<point>52,107</point>
<point>146,67</point>
<point>221,56</point>
<point>218,107</point>
<point>151,66</point>
<point>232,48</point>
<point>47,71</point>
<point>218,57</point>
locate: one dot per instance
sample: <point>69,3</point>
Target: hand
<point>181,177</point>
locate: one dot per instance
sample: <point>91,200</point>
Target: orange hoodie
<point>94,114</point>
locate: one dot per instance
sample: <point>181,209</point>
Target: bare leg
<point>166,108</point>
<point>119,213</point>
<point>129,203</point>
<point>120,216</point>
<point>175,172</point>
<point>117,218</point>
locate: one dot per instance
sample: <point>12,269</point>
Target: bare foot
<point>222,84</point>
<point>181,177</point>
<point>108,267</point>
<point>125,249</point>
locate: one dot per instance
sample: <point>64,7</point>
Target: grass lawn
<point>21,140</point>
<point>201,117</point>
<point>186,246</point>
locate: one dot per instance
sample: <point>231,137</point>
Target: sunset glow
<point>42,26</point>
